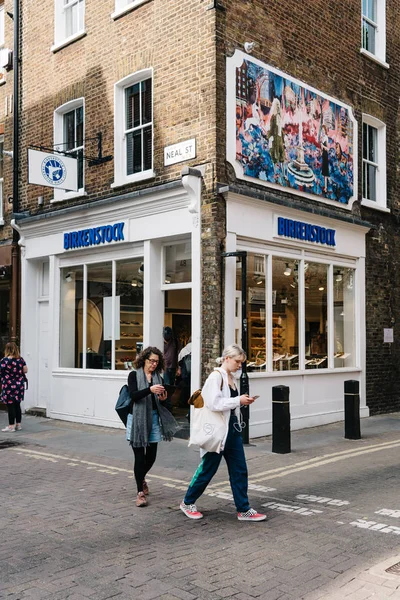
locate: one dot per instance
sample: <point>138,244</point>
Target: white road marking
<point>293,509</point>
<point>322,500</point>
<point>372,525</point>
<point>388,512</point>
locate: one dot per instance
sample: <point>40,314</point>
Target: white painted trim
<point>374,205</point>
<point>127,8</point>
<point>73,38</point>
<point>58,132</point>
<point>381,187</point>
<point>380,31</point>
<point>375,58</point>
<point>231,64</point>
<point>120,176</point>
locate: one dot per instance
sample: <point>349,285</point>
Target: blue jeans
<point>236,462</point>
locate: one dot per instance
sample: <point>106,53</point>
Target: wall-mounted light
<point>287,271</point>
<point>249,46</point>
<point>68,278</point>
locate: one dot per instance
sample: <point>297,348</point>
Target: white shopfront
<point>305,308</point>
<point>99,283</point>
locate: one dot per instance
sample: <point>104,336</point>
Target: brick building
<point>200,127</point>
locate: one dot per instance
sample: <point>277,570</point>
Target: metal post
<point>280,419</point>
<point>352,410</point>
<point>15,247</point>
<point>244,378</point>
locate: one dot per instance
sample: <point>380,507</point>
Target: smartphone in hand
<point>255,397</point>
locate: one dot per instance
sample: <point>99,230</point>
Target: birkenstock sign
<point>95,236</point>
<point>306,232</point>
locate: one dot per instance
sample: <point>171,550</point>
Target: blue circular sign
<point>54,170</point>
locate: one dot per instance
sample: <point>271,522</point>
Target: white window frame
<point>124,6</point>
<point>120,175</point>
<point>2,187</point>
<point>2,36</point>
<point>381,191</point>
<point>60,36</point>
<point>60,195</point>
<point>379,55</point>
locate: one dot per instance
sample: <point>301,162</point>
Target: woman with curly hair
<point>151,420</point>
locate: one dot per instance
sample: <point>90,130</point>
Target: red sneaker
<point>251,515</point>
<point>190,511</point>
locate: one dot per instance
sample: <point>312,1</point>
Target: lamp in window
<point>68,277</point>
<point>287,271</point>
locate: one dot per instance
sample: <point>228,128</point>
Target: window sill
<point>374,58</point>
<point>68,41</point>
<point>128,8</point>
<point>133,178</point>
<point>69,196</point>
<point>374,205</point>
<point>302,373</point>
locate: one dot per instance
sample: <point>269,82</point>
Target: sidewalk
<point>333,518</point>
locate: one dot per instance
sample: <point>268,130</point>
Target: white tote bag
<point>207,429</point>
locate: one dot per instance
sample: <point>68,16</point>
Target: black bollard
<point>352,410</point>
<point>280,419</point>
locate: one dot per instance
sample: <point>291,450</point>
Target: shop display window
<point>178,263</point>
<point>285,314</point>
<point>316,315</point>
<point>88,335</point>
<point>304,298</point>
<point>344,316</point>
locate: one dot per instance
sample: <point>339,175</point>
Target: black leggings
<point>14,413</point>
<point>144,460</point>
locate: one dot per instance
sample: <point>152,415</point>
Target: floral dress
<point>12,379</point>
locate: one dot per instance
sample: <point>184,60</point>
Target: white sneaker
<point>190,511</point>
<point>251,515</point>
<point>9,429</point>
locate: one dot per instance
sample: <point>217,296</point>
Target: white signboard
<point>388,336</point>
<point>52,170</point>
<point>179,152</point>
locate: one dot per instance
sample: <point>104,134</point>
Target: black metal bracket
<point>92,160</point>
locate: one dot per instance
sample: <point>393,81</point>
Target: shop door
<point>43,355</point>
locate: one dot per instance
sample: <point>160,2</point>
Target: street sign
<point>52,170</point>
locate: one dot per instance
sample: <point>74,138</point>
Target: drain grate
<point>394,569</point>
<point>8,444</point>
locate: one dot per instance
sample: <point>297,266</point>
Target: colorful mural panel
<point>292,136</point>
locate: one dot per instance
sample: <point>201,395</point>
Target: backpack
<point>123,405</point>
<point>196,399</point>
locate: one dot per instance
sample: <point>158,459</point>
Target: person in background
<point>13,371</point>
<point>170,356</point>
<point>225,399</point>
<point>151,421</point>
<point>184,371</point>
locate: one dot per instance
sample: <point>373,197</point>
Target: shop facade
<point>101,283</point>
<point>305,307</point>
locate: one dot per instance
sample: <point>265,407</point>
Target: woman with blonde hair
<point>12,374</point>
<point>221,394</point>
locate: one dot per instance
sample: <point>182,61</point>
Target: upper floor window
<point>134,128</point>
<point>374,28</point>
<point>69,20</point>
<point>1,23</point>
<point>374,162</point>
<point>69,134</point>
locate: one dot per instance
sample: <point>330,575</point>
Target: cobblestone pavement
<point>69,527</point>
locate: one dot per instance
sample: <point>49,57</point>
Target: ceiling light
<point>287,271</point>
<point>321,287</point>
<point>258,280</point>
<point>338,277</point>
<point>68,278</point>
<point>134,283</point>
<point>141,268</point>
